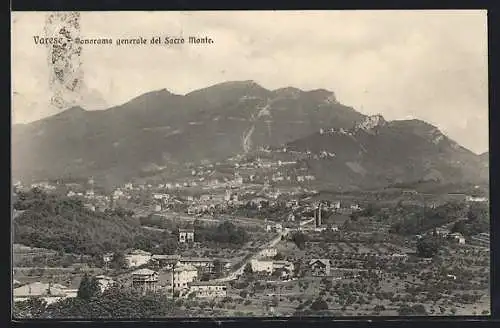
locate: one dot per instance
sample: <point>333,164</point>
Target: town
<point>249,238</point>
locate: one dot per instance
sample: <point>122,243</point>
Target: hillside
<point>377,153</point>
<point>158,130</point>
<point>63,224</point>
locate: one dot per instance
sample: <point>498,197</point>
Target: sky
<point>430,65</point>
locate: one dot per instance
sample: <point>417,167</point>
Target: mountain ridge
<point>160,130</point>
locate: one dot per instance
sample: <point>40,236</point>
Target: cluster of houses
<point>51,292</point>
<point>180,275</point>
<point>446,234</point>
<point>176,273</point>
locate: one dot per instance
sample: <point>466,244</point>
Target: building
<point>108,257</point>
<point>355,207</point>
<point>441,232</point>
<point>118,193</point>
<point>208,289</point>
<point>49,292</point>
<point>320,267</point>
<point>268,252</point>
<point>334,228</point>
<point>201,263</point>
<point>283,265</point>
<point>186,235</point>
<point>476,199</point>
<point>145,280</point>
<point>278,227</point>
<point>183,275</point>
<point>401,257</point>
<point>458,237</point>
<point>104,282</point>
<point>90,207</point>
<point>137,258</point>
<point>166,261</point>
<point>262,266</point>
<point>158,196</point>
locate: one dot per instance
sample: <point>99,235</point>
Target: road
<point>234,275</point>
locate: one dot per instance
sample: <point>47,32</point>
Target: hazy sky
<point>430,65</point>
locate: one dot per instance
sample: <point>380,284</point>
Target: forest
<point>63,224</point>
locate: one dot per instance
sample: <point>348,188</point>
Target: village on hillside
<point>227,246</point>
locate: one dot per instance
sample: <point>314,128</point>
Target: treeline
<point>64,224</point>
<point>414,219</point>
<point>224,233</point>
<point>477,221</point>
<point>115,303</point>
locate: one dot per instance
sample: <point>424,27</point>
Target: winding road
<point>236,273</point>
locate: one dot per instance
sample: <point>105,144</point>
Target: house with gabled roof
<point>320,267</point>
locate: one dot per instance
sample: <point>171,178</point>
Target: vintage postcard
<point>250,164</point>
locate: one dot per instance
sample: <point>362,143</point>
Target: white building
<point>186,235</point>
<point>159,196</point>
<point>262,266</point>
<point>476,199</point>
<point>268,252</point>
<point>458,237</point>
<point>118,193</point>
<point>183,275</point>
<point>107,257</point>
<point>336,205</point>
<point>286,265</point>
<point>49,292</point>
<point>145,279</point>
<point>104,282</point>
<point>208,289</point>
<point>355,207</point>
<point>137,258</point>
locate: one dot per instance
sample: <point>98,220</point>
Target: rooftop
<point>165,257</point>
<point>324,261</point>
<point>138,252</point>
<point>40,289</point>
<point>186,267</point>
<point>144,272</point>
<point>208,283</point>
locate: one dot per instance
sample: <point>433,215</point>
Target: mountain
<point>485,159</point>
<point>159,130</point>
<point>376,153</point>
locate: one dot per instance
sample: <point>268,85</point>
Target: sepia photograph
<point>240,164</point>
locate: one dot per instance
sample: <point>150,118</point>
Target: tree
<point>31,308</point>
<point>205,276</point>
<point>319,305</point>
<point>299,239</point>
<point>427,247</point>
<point>279,256</point>
<point>217,268</point>
<point>248,269</point>
<point>119,261</point>
<point>89,288</point>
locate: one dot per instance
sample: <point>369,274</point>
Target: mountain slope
<point>159,130</point>
<point>377,153</point>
